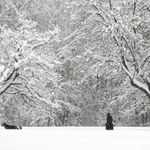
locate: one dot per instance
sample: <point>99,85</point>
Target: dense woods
<point>69,62</point>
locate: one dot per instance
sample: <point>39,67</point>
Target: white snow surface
<point>75,138</point>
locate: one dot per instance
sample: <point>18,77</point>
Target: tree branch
<point>116,41</point>
<point>8,81</point>
<point>134,8</point>
<point>110,4</point>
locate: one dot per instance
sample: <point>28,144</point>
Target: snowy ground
<point>75,138</point>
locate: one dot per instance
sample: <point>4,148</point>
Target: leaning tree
<point>128,24</point>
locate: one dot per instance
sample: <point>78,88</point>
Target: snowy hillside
<point>75,138</point>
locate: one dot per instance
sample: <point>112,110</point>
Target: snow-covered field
<point>75,138</point>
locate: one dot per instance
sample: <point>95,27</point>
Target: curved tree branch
<point>9,80</point>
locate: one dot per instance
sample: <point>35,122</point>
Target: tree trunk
<point>142,86</point>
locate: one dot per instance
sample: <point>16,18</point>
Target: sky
<point>75,138</point>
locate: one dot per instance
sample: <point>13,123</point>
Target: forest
<point>70,62</point>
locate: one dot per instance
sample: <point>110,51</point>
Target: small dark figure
<point>7,126</point>
<point>109,124</point>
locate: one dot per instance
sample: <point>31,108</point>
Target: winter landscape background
<point>69,62</point>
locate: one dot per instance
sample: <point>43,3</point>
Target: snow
<point>75,138</point>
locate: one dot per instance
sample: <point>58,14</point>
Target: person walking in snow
<point>109,124</point>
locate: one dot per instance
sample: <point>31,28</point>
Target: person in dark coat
<point>109,124</point>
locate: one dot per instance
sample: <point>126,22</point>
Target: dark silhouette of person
<point>109,124</point>
<point>7,126</point>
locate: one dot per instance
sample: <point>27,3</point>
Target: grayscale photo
<point>74,74</point>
